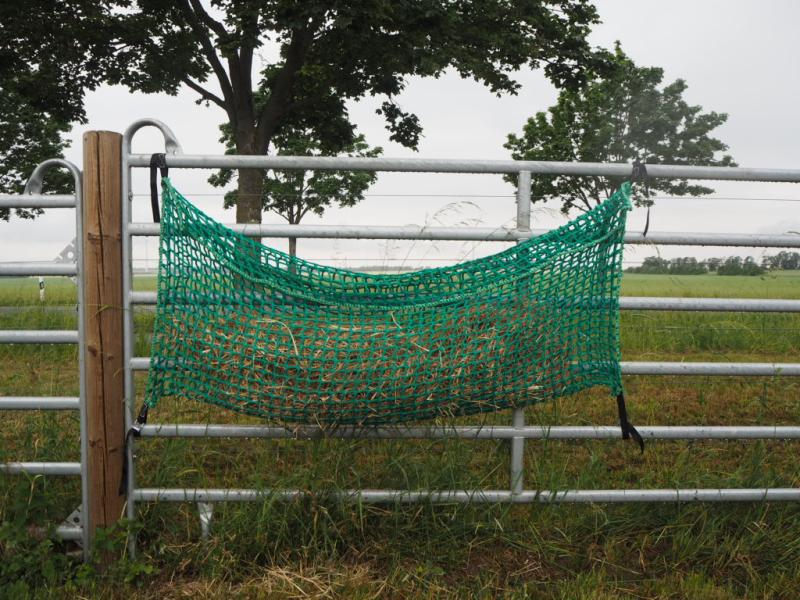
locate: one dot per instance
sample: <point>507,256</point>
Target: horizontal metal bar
<point>37,201</point>
<point>642,303</point>
<point>488,234</point>
<point>142,363</point>
<point>400,232</point>
<point>709,304</point>
<point>427,165</point>
<point>709,368</point>
<point>39,402</point>
<point>473,432</point>
<point>71,533</point>
<point>38,336</point>
<point>20,269</point>
<point>41,468</point>
<point>143,297</point>
<point>466,496</point>
<point>747,240</point>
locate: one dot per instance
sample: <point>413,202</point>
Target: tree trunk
<point>248,200</point>
<point>251,181</point>
<point>292,246</point>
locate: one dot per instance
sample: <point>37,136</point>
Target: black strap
<point>157,161</point>
<point>628,430</point>
<point>639,175</point>
<point>134,431</point>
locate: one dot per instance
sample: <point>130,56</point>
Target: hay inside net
<point>249,328</point>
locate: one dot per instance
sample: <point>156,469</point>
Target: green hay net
<point>249,328</point>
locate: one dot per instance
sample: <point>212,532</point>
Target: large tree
<point>293,194</point>
<point>276,64</point>
<point>49,55</point>
<point>623,115</point>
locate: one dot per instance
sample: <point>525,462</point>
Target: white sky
<point>737,57</point>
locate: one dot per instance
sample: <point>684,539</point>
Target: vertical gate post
<point>103,314</point>
<point>518,415</point>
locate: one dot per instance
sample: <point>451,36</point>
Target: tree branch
<point>279,213</point>
<point>249,42</point>
<point>214,25</point>
<point>281,91</point>
<point>206,95</point>
<point>200,33</point>
<point>582,195</point>
<point>303,212</point>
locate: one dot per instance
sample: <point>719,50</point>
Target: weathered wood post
<point>103,317</point>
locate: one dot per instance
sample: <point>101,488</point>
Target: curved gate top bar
<point>171,144</point>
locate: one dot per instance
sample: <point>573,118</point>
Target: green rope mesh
<point>249,328</point>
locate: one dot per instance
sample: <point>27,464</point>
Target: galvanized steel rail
<point>481,234</point>
<point>433,165</point>
<point>24,269</point>
<point>367,496</point>
<point>40,403</point>
<point>41,468</point>
<point>640,303</point>
<point>37,201</point>
<point>39,336</point>
<point>473,432</point>
<point>717,369</point>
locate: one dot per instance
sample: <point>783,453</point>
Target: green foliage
<point>293,194</point>
<point>49,54</point>
<point>783,260</point>
<point>27,137</point>
<point>734,265</point>
<point>689,265</point>
<point>33,563</point>
<point>651,265</point>
<point>28,562</point>
<point>625,114</point>
<point>331,52</point>
<point>316,57</point>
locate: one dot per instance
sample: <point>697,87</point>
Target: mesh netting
<point>249,328</point>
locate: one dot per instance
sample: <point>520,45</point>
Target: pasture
<point>318,547</point>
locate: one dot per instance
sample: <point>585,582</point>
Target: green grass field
<point>321,548</point>
<point>780,284</point>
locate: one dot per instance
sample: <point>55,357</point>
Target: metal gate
<point>516,432</point>
<point>73,526</point>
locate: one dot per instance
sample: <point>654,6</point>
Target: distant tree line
<point>732,265</point>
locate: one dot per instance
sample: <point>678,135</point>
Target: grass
<point>318,547</point>
<point>777,284</point>
<point>15,291</point>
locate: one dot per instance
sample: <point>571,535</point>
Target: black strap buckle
<point>628,430</point>
<point>157,162</point>
<point>639,172</point>
<point>639,175</point>
<point>134,431</point>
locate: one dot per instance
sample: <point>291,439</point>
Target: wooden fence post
<point>103,318</point>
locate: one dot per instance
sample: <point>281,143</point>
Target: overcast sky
<point>737,57</point>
